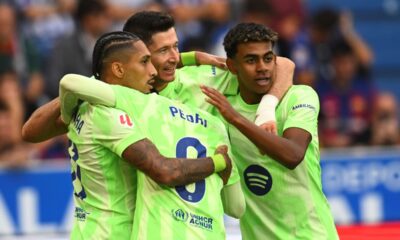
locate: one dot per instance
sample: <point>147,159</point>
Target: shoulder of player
<point>302,91</point>
<point>104,112</point>
<point>202,70</point>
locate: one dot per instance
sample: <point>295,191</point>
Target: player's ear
<point>231,65</point>
<point>117,69</point>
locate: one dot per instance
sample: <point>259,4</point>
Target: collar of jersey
<point>245,106</point>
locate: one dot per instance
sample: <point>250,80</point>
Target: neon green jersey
<point>104,184</point>
<point>194,211</point>
<point>282,203</point>
<point>186,86</point>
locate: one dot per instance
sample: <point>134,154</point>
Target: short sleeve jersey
<point>194,211</point>
<point>186,86</point>
<point>283,203</point>
<point>104,184</point>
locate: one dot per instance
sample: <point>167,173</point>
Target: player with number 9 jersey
<point>194,211</point>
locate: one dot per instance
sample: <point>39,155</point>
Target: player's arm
<point>265,116</point>
<point>233,200</point>
<point>74,87</point>
<point>196,58</point>
<point>44,123</point>
<point>289,150</point>
<point>145,157</point>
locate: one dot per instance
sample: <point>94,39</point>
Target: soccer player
<point>284,198</point>
<point>157,30</point>
<point>101,138</point>
<point>183,212</point>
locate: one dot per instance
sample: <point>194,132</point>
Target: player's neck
<point>250,97</point>
<point>159,85</point>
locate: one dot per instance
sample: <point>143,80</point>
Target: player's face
<point>139,71</point>
<point>165,55</point>
<point>254,65</point>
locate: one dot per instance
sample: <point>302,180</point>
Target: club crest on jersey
<point>124,119</point>
<point>258,180</point>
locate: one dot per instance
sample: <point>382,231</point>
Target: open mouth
<point>169,70</point>
<point>263,81</point>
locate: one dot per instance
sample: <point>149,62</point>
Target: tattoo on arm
<point>169,171</point>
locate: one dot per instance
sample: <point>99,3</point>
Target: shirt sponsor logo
<point>80,214</point>
<point>196,119</point>
<point>258,180</point>
<point>193,219</point>
<point>304,105</point>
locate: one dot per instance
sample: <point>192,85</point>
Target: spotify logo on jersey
<point>258,180</point>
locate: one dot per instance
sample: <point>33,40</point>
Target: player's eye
<point>269,58</point>
<point>250,60</point>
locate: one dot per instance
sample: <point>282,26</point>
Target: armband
<point>188,58</point>
<point>219,162</point>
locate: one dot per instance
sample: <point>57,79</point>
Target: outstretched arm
<point>74,87</point>
<point>173,171</point>
<point>196,58</point>
<point>289,150</point>
<point>44,123</point>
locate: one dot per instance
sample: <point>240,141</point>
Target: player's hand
<point>226,173</point>
<point>270,127</point>
<point>221,103</point>
<point>203,58</point>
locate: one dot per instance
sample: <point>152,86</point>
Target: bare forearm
<point>45,123</point>
<point>281,149</point>
<point>284,77</point>
<point>144,156</point>
<point>184,171</point>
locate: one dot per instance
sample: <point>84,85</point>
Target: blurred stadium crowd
<point>41,40</point>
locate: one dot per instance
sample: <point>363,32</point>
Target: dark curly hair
<point>147,23</point>
<point>247,32</point>
<point>107,45</point>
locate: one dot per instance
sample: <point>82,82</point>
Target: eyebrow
<point>250,55</point>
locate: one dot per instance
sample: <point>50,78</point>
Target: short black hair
<point>107,44</point>
<point>247,32</point>
<point>147,23</point>
<point>89,7</point>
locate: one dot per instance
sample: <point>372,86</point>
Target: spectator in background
<point>287,18</point>
<point>311,46</point>
<point>13,152</point>
<point>198,22</point>
<point>120,10</point>
<point>45,21</point>
<point>11,98</point>
<point>385,121</point>
<point>346,101</point>
<point>18,53</point>
<point>73,54</point>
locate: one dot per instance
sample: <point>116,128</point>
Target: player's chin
<point>167,76</point>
